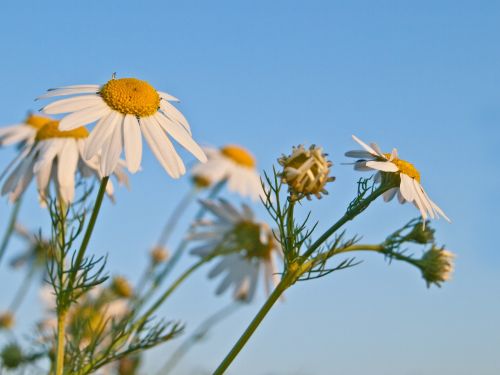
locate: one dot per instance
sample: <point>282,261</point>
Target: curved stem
<point>197,335</point>
<point>275,295</point>
<point>88,232</point>
<point>10,227</point>
<point>23,289</point>
<point>173,220</point>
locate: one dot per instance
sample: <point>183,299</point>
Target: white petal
<point>101,133</point>
<point>84,116</point>
<point>174,114</point>
<point>365,146</point>
<point>112,150</point>
<point>406,187</point>
<point>385,166</point>
<point>70,90</point>
<point>72,104</point>
<point>182,136</point>
<point>389,195</point>
<point>358,154</point>
<point>132,140</point>
<point>167,96</point>
<point>423,199</point>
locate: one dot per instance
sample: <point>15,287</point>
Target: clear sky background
<point>420,76</point>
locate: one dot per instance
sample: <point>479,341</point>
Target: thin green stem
<point>349,215</point>
<point>275,295</point>
<point>174,218</point>
<point>88,232</point>
<point>61,310</point>
<point>23,289</point>
<point>10,227</point>
<point>198,334</point>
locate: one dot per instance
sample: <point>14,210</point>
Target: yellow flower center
<point>131,96</point>
<point>239,155</point>
<point>37,121</point>
<point>51,130</point>
<point>405,167</point>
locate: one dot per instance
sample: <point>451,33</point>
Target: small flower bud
<point>436,266</point>
<point>121,287</point>
<point>159,255</point>
<point>6,320</point>
<point>201,182</point>
<point>12,356</point>
<point>421,234</point>
<point>306,172</point>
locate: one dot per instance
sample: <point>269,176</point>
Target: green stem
<point>349,215</point>
<point>61,319</point>
<point>23,289</point>
<point>173,220</point>
<point>10,227</point>
<point>62,310</point>
<point>197,335</point>
<point>88,232</point>
<point>285,282</point>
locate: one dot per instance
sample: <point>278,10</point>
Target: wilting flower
<point>23,133</point>
<point>372,158</point>
<point>436,266</point>
<point>57,156</point>
<point>124,109</point>
<point>245,244</point>
<point>233,164</point>
<point>306,172</point>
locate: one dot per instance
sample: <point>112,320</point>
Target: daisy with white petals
<point>233,164</point>
<point>125,109</point>
<point>23,133</point>
<point>57,156</point>
<point>409,190</point>
<point>247,245</point>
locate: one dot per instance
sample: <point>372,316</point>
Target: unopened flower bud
<point>122,287</point>
<point>6,320</point>
<point>436,266</point>
<point>12,356</point>
<point>201,182</point>
<point>306,172</point>
<point>421,234</point>
<point>159,255</point>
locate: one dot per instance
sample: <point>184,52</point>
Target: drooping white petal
<point>73,104</point>
<point>84,116</point>
<point>112,150</point>
<point>181,135</point>
<point>406,187</point>
<point>101,133</point>
<point>423,199</point>
<point>132,139</point>
<point>358,154</point>
<point>365,146</point>
<point>67,161</point>
<point>385,166</point>
<point>174,114</point>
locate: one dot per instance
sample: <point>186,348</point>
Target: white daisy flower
<point>23,133</point>
<point>57,156</point>
<point>409,190</point>
<point>125,109</point>
<point>249,244</point>
<point>234,164</point>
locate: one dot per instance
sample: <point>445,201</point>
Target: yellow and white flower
<point>56,155</point>
<point>409,190</point>
<point>23,133</point>
<point>233,164</point>
<point>125,109</point>
<point>246,246</point>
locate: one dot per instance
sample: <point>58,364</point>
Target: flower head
<point>38,249</point>
<point>159,255</point>
<point>233,164</point>
<point>121,287</point>
<point>55,156</point>
<point>12,356</point>
<point>436,266</point>
<point>245,246</point>
<point>306,172</point>
<point>125,110</point>
<point>24,132</point>
<point>6,320</point>
<point>390,165</point>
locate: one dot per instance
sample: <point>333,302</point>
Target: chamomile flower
<point>24,132</point>
<point>233,164</point>
<point>55,156</point>
<point>125,109</point>
<point>409,190</point>
<point>246,246</point>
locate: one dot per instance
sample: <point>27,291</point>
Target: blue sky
<point>420,76</point>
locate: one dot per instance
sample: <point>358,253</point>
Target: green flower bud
<point>12,356</point>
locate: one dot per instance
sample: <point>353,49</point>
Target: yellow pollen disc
<point>131,96</point>
<point>239,155</point>
<point>37,121</point>
<point>51,130</point>
<point>405,167</point>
